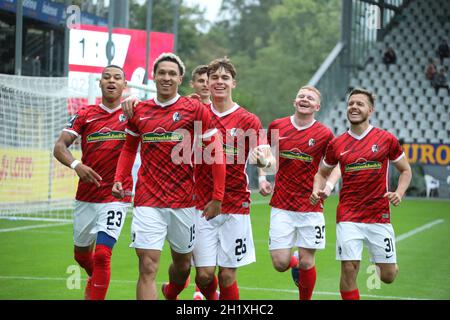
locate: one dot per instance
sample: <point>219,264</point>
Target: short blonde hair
<point>313,89</point>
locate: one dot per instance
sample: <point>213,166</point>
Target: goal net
<point>33,111</point>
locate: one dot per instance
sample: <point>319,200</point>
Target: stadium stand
<point>407,104</point>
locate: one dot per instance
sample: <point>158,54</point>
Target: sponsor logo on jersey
<point>122,118</point>
<point>375,148</point>
<point>106,134</point>
<point>296,154</point>
<point>362,164</point>
<point>176,117</point>
<point>311,142</point>
<point>161,135</point>
<point>230,150</point>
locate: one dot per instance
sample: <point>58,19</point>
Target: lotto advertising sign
<point>88,46</point>
<point>24,177</point>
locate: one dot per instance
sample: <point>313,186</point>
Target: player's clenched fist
<point>128,106</point>
<point>393,197</point>
<point>314,197</point>
<point>117,190</point>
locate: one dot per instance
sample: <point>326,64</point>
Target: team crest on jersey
<point>375,148</point>
<point>122,118</point>
<point>71,121</point>
<point>176,117</point>
<point>233,132</point>
<point>311,142</point>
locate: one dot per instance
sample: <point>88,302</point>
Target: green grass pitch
<point>34,262</point>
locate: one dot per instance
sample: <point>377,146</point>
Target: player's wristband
<point>75,163</point>
<point>262,179</point>
<point>330,185</point>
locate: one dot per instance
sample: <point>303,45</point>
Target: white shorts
<point>151,226</point>
<point>225,241</point>
<point>289,229</point>
<point>378,237</point>
<point>91,218</point>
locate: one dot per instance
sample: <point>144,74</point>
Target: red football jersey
<point>102,132</point>
<point>364,162</point>
<point>300,151</point>
<point>166,133</point>
<point>241,130</point>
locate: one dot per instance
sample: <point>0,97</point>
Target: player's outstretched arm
<point>263,157</point>
<point>125,165</point>
<point>219,172</point>
<point>62,154</point>
<point>320,180</point>
<point>334,177</point>
<point>265,187</point>
<point>128,105</point>
<point>403,181</point>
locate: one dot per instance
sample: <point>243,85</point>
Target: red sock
<point>102,272</point>
<point>294,262</point>
<point>210,290</point>
<point>350,295</point>
<point>172,290</point>
<point>85,259</point>
<point>307,282</point>
<point>229,293</point>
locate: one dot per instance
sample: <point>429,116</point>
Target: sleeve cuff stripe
<point>72,132</point>
<point>327,165</point>
<point>399,158</point>
<point>209,134</point>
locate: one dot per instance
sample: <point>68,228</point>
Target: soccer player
<point>363,215</point>
<point>294,222</point>
<point>98,216</point>
<point>199,82</point>
<point>227,240</point>
<point>164,203</point>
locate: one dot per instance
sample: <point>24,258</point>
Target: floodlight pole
<point>19,31</point>
<point>176,8</point>
<point>148,27</point>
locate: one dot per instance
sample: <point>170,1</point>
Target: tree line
<point>276,45</point>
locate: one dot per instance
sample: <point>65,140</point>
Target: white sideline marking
<point>417,230</point>
<point>240,287</point>
<point>34,227</point>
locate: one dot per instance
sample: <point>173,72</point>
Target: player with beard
<point>363,216</point>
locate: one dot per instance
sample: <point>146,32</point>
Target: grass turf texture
<point>34,262</point>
